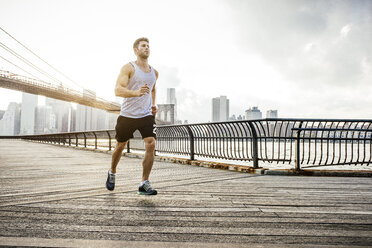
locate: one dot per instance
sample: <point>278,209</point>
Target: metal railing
<point>301,142</point>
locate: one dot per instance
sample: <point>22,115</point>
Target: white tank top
<point>139,107</point>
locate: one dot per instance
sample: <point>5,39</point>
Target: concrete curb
<point>261,171</point>
<point>326,173</point>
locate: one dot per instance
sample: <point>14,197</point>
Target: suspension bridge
<point>18,82</point>
<point>53,87</point>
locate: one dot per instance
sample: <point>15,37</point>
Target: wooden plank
<point>57,193</point>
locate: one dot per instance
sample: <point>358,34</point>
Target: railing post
<point>95,141</point>
<point>298,145</point>
<point>85,140</point>
<point>298,154</point>
<point>192,151</point>
<point>255,145</point>
<point>128,146</point>
<point>108,133</point>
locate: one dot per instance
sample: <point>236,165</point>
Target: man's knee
<point>150,144</point>
<point>121,145</point>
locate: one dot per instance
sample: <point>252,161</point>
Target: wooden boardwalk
<point>55,197</point>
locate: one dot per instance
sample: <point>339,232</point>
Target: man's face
<point>143,50</point>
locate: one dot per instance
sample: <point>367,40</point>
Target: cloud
<point>188,101</point>
<point>320,48</point>
<point>317,42</point>
<point>193,107</point>
<point>168,78</point>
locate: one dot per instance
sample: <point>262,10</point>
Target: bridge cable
<point>41,58</point>
<point>20,68</point>
<point>29,63</point>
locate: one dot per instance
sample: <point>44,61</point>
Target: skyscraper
<point>220,109</point>
<point>10,122</point>
<point>28,113</point>
<point>171,99</point>
<point>86,117</point>
<point>272,114</point>
<point>61,112</point>
<point>253,114</point>
<point>171,96</point>
<point>45,120</point>
<point>40,120</point>
<point>81,118</point>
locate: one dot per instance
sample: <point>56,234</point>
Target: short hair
<point>136,43</point>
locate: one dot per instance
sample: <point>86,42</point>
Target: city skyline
<point>54,116</point>
<point>50,115</point>
<point>311,59</point>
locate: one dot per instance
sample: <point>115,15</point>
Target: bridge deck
<point>55,197</point>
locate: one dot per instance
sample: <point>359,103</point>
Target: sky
<point>304,58</point>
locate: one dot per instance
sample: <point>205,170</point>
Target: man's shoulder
<point>156,73</point>
<point>128,68</point>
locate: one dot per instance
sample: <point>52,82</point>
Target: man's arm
<point>123,81</point>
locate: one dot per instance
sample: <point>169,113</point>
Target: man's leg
<point>116,155</point>
<point>148,159</point>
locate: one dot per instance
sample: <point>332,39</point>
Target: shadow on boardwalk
<point>53,196</point>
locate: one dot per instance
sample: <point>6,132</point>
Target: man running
<point>136,84</point>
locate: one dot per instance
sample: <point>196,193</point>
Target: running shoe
<point>110,182</point>
<point>146,189</point>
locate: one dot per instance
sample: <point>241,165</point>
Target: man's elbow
<point>117,92</point>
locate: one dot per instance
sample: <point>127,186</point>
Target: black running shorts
<point>125,127</point>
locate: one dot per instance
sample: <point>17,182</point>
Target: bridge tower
<point>166,113</point>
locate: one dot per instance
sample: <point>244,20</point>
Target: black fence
<point>301,142</point>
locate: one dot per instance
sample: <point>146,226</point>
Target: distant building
<point>83,116</point>
<point>220,109</point>
<point>72,121</point>
<point>28,113</point>
<point>272,114</point>
<point>87,117</point>
<point>232,118</point>
<point>171,99</point>
<point>112,120</point>
<point>215,109</point>
<point>171,96</point>
<point>10,121</point>
<point>61,110</point>
<point>253,114</point>
<point>40,120</point>
<point>102,120</point>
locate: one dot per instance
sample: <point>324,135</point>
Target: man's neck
<point>142,62</point>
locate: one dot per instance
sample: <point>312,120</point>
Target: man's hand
<point>144,90</point>
<point>154,110</point>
